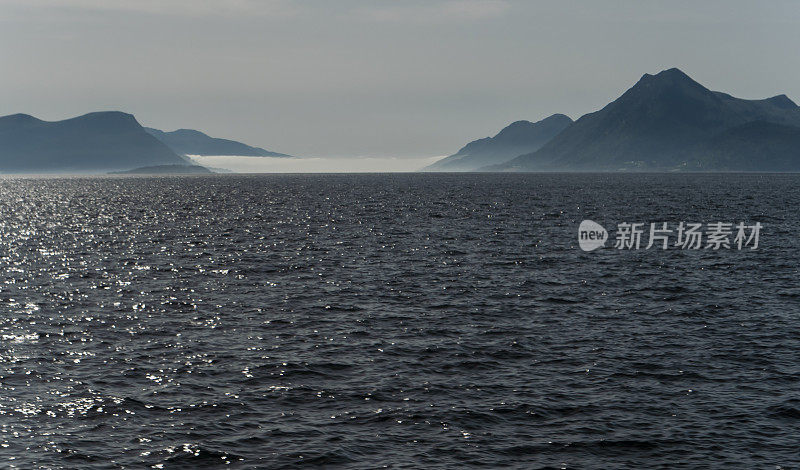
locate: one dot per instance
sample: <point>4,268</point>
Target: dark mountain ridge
<point>94,142</point>
<point>668,121</point>
<point>192,142</point>
<point>517,138</point>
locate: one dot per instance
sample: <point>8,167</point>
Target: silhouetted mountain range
<point>665,122</point>
<point>192,142</point>
<point>670,122</point>
<point>95,142</point>
<point>518,138</point>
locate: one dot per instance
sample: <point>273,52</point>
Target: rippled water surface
<point>413,321</point>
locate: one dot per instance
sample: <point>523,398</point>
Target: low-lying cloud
<point>314,165</point>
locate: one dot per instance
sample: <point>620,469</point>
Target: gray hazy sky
<point>377,78</point>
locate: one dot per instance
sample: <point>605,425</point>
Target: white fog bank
<point>314,165</point>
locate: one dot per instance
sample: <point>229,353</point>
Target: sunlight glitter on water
<point>347,320</point>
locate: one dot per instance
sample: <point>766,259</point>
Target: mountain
<point>668,121</point>
<point>518,138</point>
<point>95,142</point>
<point>191,142</point>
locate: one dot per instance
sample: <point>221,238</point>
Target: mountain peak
<point>782,101</point>
<point>193,142</point>
<point>669,77</point>
<point>670,89</point>
<point>669,121</point>
<point>19,118</point>
<point>108,115</point>
<point>558,117</point>
<point>107,118</point>
<point>673,72</point>
<point>188,132</point>
<point>94,142</point>
<point>517,138</point>
<point>521,131</point>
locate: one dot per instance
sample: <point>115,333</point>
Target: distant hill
<point>95,142</point>
<point>670,122</point>
<point>516,139</point>
<point>191,142</point>
<point>166,170</point>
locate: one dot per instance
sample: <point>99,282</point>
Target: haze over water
<point>420,320</point>
<point>314,165</point>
